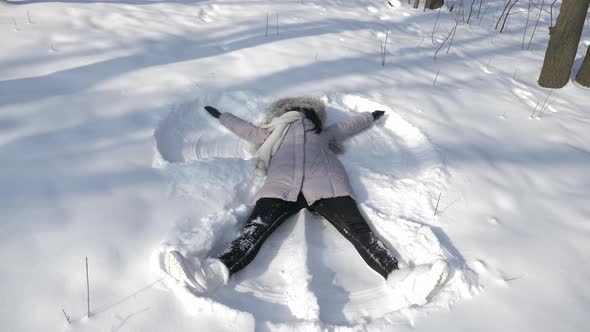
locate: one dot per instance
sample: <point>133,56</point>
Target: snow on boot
<point>420,282</point>
<point>216,274</point>
<point>180,269</point>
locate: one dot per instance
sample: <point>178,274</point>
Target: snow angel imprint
<point>303,171</point>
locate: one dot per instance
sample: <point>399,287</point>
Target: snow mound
<point>307,273</point>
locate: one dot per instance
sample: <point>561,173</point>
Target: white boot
<point>420,282</point>
<point>180,269</point>
<point>216,274</point>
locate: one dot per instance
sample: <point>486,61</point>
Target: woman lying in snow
<point>303,172</point>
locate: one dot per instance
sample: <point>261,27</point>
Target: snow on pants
<point>342,212</point>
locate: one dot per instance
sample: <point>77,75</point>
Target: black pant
<point>341,212</point>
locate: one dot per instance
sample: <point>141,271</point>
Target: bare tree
<point>563,44</point>
<point>583,76</point>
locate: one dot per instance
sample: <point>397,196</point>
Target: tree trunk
<point>433,4</point>
<point>416,3</point>
<point>563,44</point>
<point>583,76</point>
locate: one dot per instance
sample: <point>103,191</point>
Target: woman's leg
<point>267,215</point>
<point>343,213</point>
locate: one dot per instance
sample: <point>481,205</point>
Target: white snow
<point>106,153</point>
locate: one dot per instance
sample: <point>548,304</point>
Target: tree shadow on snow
<point>157,53</point>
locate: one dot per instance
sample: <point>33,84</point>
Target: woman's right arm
<point>346,128</point>
<point>243,129</point>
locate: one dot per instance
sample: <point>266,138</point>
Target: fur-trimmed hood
<point>282,105</point>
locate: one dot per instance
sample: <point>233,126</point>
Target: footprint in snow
<point>205,16</point>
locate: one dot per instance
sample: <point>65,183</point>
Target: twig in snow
<point>67,317</point>
<point>435,24</point>
<point>507,15</point>
<point>29,17</point>
<point>536,24</point>
<point>526,25</point>
<point>451,7</point>
<point>461,12</point>
<point>503,12</point>
<point>488,5</point>
<point>462,7</point>
<point>15,25</point>
<point>508,19</point>
<point>87,287</point>
<point>438,201</point>
<point>492,19</point>
<point>508,279</point>
<point>470,11</point>
<point>479,8</point>
<point>444,41</point>
<point>384,49</point>
<point>514,75</point>
<point>266,24</point>
<point>435,78</point>
<point>452,38</point>
<point>543,106</point>
<point>277,24</point>
<point>420,42</point>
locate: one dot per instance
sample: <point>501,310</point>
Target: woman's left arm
<point>346,128</point>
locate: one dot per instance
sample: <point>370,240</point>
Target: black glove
<point>213,111</point>
<point>377,114</point>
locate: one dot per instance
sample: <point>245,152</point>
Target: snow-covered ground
<point>99,99</point>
